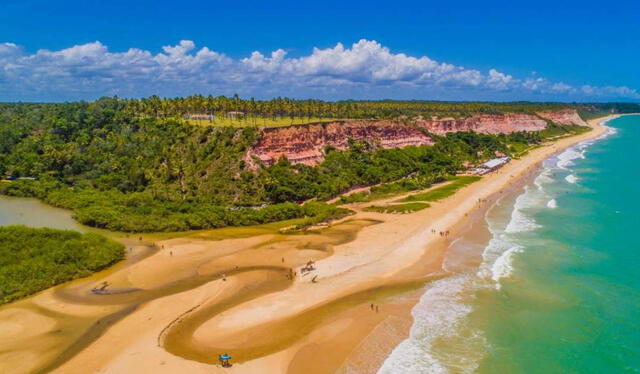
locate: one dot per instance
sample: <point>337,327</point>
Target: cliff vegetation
<point>136,165</point>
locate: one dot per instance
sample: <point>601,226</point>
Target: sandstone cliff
<point>564,117</point>
<point>306,144</point>
<point>485,123</point>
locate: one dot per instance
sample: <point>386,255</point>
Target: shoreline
<point>368,258</point>
<point>476,224</point>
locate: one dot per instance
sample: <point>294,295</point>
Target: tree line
<point>351,109</point>
<point>122,171</point>
<point>33,259</point>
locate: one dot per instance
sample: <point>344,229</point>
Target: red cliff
<point>306,144</point>
<point>564,117</point>
<point>485,123</point>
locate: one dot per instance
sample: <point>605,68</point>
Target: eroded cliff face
<point>306,144</point>
<point>485,124</point>
<point>564,117</point>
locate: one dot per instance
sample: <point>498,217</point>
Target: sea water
<point>558,286</point>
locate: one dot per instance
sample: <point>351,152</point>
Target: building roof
<point>496,162</point>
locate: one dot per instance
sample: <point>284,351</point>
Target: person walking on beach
<point>372,307</point>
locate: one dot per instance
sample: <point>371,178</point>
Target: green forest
<point>136,165</point>
<point>249,109</point>
<point>32,259</point>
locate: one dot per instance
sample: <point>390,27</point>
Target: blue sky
<point>463,50</point>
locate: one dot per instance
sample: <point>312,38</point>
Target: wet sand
<point>193,297</point>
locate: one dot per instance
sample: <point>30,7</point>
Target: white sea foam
<point>571,178</point>
<point>583,146</point>
<point>498,258</point>
<point>610,131</point>
<point>439,341</point>
<point>521,221</point>
<point>438,315</point>
<point>545,177</point>
<point>498,244</point>
<point>441,314</point>
<point>503,266</point>
<point>565,159</point>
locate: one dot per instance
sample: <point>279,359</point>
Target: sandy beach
<point>180,302</point>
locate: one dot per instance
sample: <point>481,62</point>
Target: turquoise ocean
<point>557,288</point>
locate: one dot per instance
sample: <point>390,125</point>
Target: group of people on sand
<point>310,266</point>
<point>441,233</point>
<point>291,275</point>
<point>101,289</point>
<point>307,268</point>
<point>480,200</point>
<point>374,307</point>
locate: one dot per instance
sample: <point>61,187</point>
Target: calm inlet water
<point>558,287</point>
<point>31,212</point>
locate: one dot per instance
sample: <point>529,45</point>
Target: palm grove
<point>136,165</point>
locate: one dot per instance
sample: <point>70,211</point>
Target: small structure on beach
<point>491,165</point>
<point>224,360</point>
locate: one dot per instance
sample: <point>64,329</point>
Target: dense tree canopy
<point>387,109</point>
<point>135,165</point>
<point>34,259</point>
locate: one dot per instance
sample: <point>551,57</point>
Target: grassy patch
<point>326,216</point>
<point>398,208</point>
<point>235,232</point>
<point>444,191</point>
<point>260,121</point>
<point>386,190</point>
<point>557,131</point>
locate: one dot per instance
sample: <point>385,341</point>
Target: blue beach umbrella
<point>225,357</point>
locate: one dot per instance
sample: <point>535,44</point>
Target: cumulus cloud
<point>366,69</point>
<point>499,80</point>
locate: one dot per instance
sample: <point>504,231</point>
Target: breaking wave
<point>439,318</point>
<point>571,178</point>
<point>565,159</point>
<point>441,341</point>
<point>503,267</point>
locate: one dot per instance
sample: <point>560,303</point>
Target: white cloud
<point>499,80</point>
<point>366,69</point>
<point>562,87</point>
<point>9,49</point>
